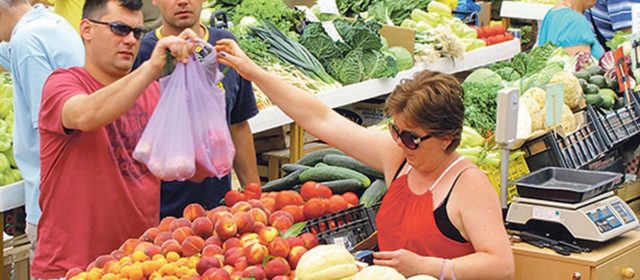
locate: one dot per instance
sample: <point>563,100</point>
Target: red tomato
<point>508,37</point>
<point>478,31</point>
<point>498,39</point>
<point>487,31</point>
<point>499,29</point>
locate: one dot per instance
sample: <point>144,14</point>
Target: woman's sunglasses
<point>409,139</point>
<point>121,29</point>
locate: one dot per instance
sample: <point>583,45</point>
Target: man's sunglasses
<point>409,139</point>
<point>121,29</point>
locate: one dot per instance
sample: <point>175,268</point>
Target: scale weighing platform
<point>597,219</point>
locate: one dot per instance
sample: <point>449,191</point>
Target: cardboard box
<point>366,113</point>
<point>397,36</point>
<point>484,16</point>
<point>293,3</point>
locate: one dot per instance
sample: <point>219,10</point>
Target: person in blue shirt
<point>178,15</point>
<point>38,43</point>
<point>565,26</point>
<point>610,16</point>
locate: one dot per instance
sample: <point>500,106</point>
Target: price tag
<point>308,13</point>
<point>332,31</point>
<point>546,214</point>
<point>553,104</point>
<point>635,18</point>
<point>328,7</point>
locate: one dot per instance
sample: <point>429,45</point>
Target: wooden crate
<point>16,258</point>
<point>276,139</point>
<point>629,191</point>
<point>273,160</point>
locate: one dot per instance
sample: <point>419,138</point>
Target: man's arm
<point>244,162</point>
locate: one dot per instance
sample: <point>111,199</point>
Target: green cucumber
<point>353,164</point>
<point>289,168</point>
<point>314,157</point>
<point>284,183</point>
<point>320,164</point>
<point>343,186</point>
<point>330,173</point>
<point>374,193</point>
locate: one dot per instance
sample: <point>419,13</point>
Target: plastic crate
<point>619,125</point>
<point>517,169</point>
<point>575,150</point>
<point>347,228</point>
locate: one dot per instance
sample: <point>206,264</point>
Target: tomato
<point>478,31</point>
<point>487,31</point>
<point>487,41</point>
<point>508,37</point>
<point>498,39</point>
<point>499,29</point>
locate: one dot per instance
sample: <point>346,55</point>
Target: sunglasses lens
<point>407,140</point>
<point>120,29</point>
<point>137,33</point>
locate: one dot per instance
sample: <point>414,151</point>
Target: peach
<point>129,246</point>
<point>255,272</point>
<point>324,192</point>
<point>310,240</point>
<point>294,241</point>
<point>337,203</point>
<point>207,262</point>
<point>165,224</point>
<point>314,208</point>
<point>192,245</point>
<point>182,233</point>
<point>327,206</point>
<point>268,234</point>
<point>178,223</point>
<point>229,268</point>
<point>171,246</point>
<point>255,203</point>
<point>101,261</point>
<point>282,277</point>
<point>202,226</point>
<point>278,214</point>
<point>258,215</point>
<point>148,249</point>
<point>232,255</point>
<point>217,215</point>
<point>193,211</point>
<point>255,253</point>
<point>309,190</point>
<point>252,191</point>
<point>226,228</point>
<point>232,197</point>
<point>248,239</point>
<point>162,237</point>
<point>216,274</point>
<point>258,226</point>
<point>212,250</point>
<point>243,222</point>
<point>282,224</point>
<point>269,203</point>
<point>241,264</point>
<point>279,247</point>
<point>295,254</point>
<point>73,272</point>
<point>230,243</point>
<point>112,267</point>
<point>297,197</point>
<point>149,235</point>
<point>213,240</point>
<point>117,254</point>
<point>285,198</point>
<point>276,267</point>
<point>241,206</point>
<point>351,198</point>
<point>295,211</point>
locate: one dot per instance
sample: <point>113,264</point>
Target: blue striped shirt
<point>611,15</point>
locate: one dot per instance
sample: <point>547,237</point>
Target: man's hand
<point>180,47</point>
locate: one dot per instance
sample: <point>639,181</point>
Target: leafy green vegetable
<point>480,105</point>
<point>277,12</point>
<point>348,70</point>
<point>618,39</point>
<point>484,76</point>
<point>351,8</point>
<point>379,65</point>
<point>508,74</point>
<point>403,57</point>
<point>393,12</point>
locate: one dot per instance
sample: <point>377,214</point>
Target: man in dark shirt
<point>177,15</point>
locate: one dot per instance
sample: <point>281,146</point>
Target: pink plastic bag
<point>212,141</point>
<point>166,146</point>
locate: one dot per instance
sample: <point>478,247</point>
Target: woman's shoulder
<point>564,14</point>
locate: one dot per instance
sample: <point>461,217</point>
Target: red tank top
<point>406,221</point>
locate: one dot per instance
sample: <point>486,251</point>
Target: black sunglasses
<point>121,29</point>
<point>409,139</point>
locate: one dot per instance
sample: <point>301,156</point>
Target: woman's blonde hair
<point>432,101</point>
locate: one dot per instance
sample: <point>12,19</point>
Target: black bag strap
<point>599,36</point>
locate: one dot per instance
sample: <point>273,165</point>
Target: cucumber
<point>314,157</point>
<point>584,75</point>
<point>320,164</point>
<point>284,183</point>
<point>353,164</point>
<point>289,168</point>
<point>374,193</point>
<point>343,186</point>
<point>330,173</point>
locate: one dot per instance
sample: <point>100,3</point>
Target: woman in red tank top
<point>441,216</point>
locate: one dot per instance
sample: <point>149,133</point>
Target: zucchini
<point>314,157</point>
<point>284,183</point>
<point>351,163</point>
<point>343,186</point>
<point>374,193</point>
<point>330,173</point>
<point>320,164</point>
<point>289,168</point>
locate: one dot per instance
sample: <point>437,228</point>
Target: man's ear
<point>86,29</point>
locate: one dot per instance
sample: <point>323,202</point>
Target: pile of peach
<point>223,243</point>
<point>314,200</point>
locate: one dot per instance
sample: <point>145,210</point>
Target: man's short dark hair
<point>95,9</point>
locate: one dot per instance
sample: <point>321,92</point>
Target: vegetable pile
<point>8,169</point>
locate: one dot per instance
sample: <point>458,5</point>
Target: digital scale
<point>597,219</point>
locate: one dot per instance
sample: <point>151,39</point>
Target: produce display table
<point>273,117</point>
<point>11,196</point>
<point>524,10</point>
<point>618,259</point>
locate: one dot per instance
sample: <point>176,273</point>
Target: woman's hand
<point>229,53</point>
<point>405,262</point>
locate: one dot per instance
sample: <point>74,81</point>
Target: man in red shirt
<point>94,194</point>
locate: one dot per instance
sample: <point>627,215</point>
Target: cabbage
<point>484,76</point>
<point>403,57</point>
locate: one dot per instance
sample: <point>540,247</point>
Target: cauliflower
<point>567,120</point>
<point>572,91</point>
<point>538,95</point>
<point>536,113</point>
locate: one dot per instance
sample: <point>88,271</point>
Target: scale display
<point>623,212</point>
<point>604,219</point>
